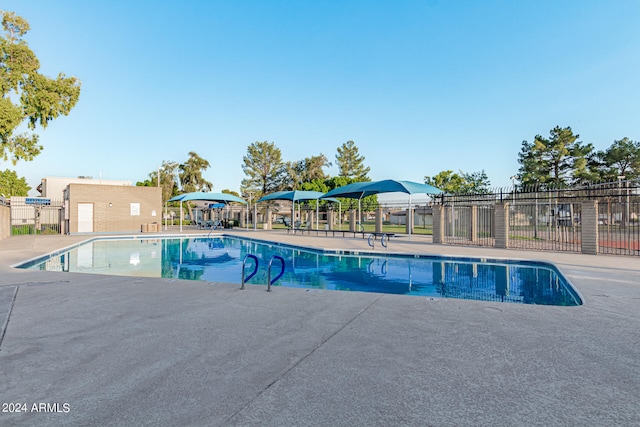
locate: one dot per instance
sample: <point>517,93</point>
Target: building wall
<point>116,209</point>
<point>53,187</point>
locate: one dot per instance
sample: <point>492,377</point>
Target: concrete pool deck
<point>137,351</point>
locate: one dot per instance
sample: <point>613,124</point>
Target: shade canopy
<point>209,197</point>
<point>358,190</point>
<point>294,196</point>
<point>298,196</point>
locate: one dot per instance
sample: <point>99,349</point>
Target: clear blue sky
<point>420,86</point>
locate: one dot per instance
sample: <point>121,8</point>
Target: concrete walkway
<point>119,351</point>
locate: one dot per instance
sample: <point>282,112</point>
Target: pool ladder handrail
<point>269,281</point>
<point>255,268</point>
<point>371,242</point>
<point>383,240</point>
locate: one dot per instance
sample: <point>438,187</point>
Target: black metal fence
<point>547,218</point>
<point>470,224</point>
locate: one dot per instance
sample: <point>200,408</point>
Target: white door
<point>85,217</point>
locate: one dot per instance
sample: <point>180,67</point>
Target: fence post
<point>589,221</point>
<point>473,224</point>
<point>379,219</point>
<point>352,220</point>
<point>5,222</point>
<point>502,225</point>
<point>438,224</point>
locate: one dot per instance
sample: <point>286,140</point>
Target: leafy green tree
<point>622,158</point>
<point>190,173</point>
<point>11,185</point>
<point>558,160</point>
<point>233,193</point>
<point>263,167</point>
<point>307,170</point>
<point>338,181</point>
<point>476,182</point>
<point>462,183</point>
<point>27,94</point>
<point>168,179</point>
<point>586,165</point>
<point>351,163</point>
<point>447,181</point>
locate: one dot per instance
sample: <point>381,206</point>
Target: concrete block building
<point>95,208</point>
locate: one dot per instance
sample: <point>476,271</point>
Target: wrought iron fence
<point>618,226</point>
<point>469,224</point>
<point>547,218</point>
<point>550,227</point>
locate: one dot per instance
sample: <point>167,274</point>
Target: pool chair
<point>216,224</point>
<point>199,223</point>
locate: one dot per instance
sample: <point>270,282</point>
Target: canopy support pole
<point>359,213</point>
<point>410,217</point>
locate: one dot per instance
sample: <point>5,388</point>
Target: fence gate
<point>36,215</point>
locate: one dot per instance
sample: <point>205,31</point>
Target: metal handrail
<point>255,268</point>
<point>370,242</point>
<point>382,240</point>
<point>269,281</point>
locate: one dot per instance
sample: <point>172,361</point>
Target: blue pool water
<point>219,259</point>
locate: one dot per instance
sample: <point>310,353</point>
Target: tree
<point>27,94</point>
<point>558,160</point>
<point>476,182</point>
<point>11,185</point>
<point>447,181</point>
<point>264,168</point>
<point>191,174</point>
<point>462,183</point>
<point>168,179</point>
<point>351,163</point>
<point>306,170</point>
<point>233,193</point>
<point>622,158</point>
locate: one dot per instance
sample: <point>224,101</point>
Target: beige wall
<point>112,210</point>
<point>5,222</point>
<point>53,187</point>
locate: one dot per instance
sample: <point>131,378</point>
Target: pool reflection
<point>219,259</point>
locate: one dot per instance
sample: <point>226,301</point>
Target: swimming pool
<point>219,259</point>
